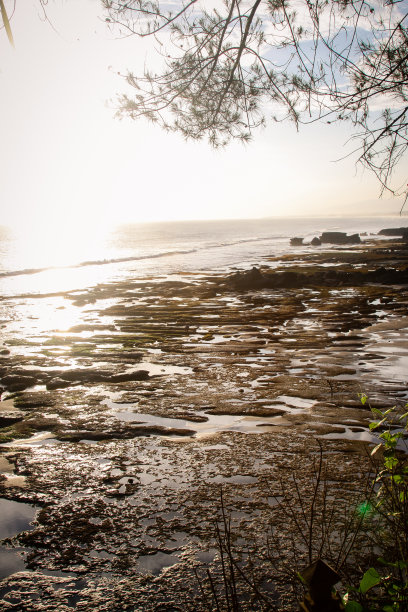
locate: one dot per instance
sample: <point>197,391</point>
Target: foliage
<point>386,587</point>
<point>225,68</point>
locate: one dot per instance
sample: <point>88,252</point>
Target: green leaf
<point>363,398</point>
<point>376,411</point>
<point>353,606</point>
<point>391,462</point>
<point>388,609</point>
<point>370,579</point>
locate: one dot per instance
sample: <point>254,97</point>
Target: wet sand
<point>129,405</point>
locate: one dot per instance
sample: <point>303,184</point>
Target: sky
<point>67,161</point>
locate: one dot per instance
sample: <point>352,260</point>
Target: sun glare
<point>58,243</point>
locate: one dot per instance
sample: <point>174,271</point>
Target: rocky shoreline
<point>122,426</point>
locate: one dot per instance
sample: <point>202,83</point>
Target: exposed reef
<point>122,421</point>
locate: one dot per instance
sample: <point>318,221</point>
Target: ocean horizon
<point>58,262</point>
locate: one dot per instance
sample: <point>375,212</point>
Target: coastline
<point>155,395</point>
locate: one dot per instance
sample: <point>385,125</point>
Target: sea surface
<point>31,264</point>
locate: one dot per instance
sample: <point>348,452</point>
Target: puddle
<point>154,564</point>
<point>7,470</point>
<point>15,518</point>
<point>15,481</point>
<point>215,422</point>
<point>39,439</point>
<point>5,466</point>
<point>237,479</point>
<point>158,369</point>
<point>392,359</point>
<point>349,433</point>
<point>206,556</point>
<point>10,562</point>
<point>296,404</point>
<point>7,405</point>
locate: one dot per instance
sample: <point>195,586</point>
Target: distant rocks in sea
<point>329,238</point>
<point>344,238</point>
<point>339,238</point>
<point>395,231</point>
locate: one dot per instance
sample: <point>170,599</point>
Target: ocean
<point>31,264</point>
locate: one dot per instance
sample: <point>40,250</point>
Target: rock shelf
<point>125,424</point>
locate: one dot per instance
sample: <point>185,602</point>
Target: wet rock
<point>296,241</point>
<point>57,383</point>
<point>9,418</point>
<point>34,399</point>
<point>84,375</point>
<point>130,376</point>
<point>250,279</point>
<point>339,238</point>
<point>4,351</point>
<point>316,241</point>
<point>123,434</point>
<point>15,382</point>
<point>88,375</point>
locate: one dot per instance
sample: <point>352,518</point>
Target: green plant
<point>385,587</point>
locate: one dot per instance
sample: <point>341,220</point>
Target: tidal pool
<point>15,518</point>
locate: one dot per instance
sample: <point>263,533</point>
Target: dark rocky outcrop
<point>316,241</point>
<point>394,231</point>
<point>57,383</point>
<point>127,433</point>
<point>129,376</point>
<point>296,241</point>
<point>16,382</point>
<point>88,375</point>
<point>10,417</point>
<point>34,399</point>
<point>321,277</point>
<point>249,279</point>
<point>339,238</point>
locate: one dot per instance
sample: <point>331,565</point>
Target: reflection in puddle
<point>10,562</point>
<point>350,433</point>
<point>157,369</point>
<point>154,564</point>
<point>215,422</point>
<point>15,518</point>
<point>40,439</point>
<point>237,479</point>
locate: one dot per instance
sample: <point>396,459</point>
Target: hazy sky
<point>66,159</point>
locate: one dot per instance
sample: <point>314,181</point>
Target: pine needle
<point>6,23</point>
